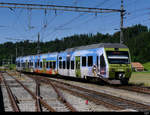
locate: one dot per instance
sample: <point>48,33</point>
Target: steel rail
<point>62,99</point>
<point>11,96</point>
<point>34,96</point>
<point>135,89</point>
<point>38,103</point>
<point>59,94</point>
<point>133,104</point>
<point>125,104</point>
<point>95,100</point>
<point>73,92</point>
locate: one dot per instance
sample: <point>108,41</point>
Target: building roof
<point>137,65</point>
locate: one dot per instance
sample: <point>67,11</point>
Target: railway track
<point>12,97</point>
<point>137,89</point>
<point>109,101</point>
<point>39,103</point>
<point>19,99</point>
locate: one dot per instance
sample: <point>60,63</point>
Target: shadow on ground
<point>1,101</point>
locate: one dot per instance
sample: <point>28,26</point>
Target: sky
<point>15,24</point>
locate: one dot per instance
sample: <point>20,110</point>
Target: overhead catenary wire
<point>57,7</point>
<point>65,25</point>
<point>15,23</point>
<point>75,18</point>
<point>80,15</point>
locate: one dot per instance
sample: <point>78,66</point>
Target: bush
<point>147,66</point>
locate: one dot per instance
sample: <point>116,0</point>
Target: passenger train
<point>109,62</point>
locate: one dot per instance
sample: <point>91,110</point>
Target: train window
<point>54,65</point>
<point>46,64</point>
<point>68,64</point>
<point>35,64</point>
<point>31,63</point>
<point>97,60</point>
<point>90,60</point>
<point>28,64</point>
<point>40,64</point>
<point>83,61</point>
<point>102,61</point>
<point>60,58</point>
<point>23,65</point>
<point>118,57</point>
<point>72,64</point>
<point>18,64</point>
<point>64,65</point>
<point>102,65</point>
<point>60,64</point>
<point>51,65</point>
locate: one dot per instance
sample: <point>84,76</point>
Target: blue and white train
<point>109,62</point>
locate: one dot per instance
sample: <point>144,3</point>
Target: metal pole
<point>38,44</point>
<point>16,51</point>
<point>121,23</point>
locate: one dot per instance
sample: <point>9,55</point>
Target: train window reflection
<point>118,57</point>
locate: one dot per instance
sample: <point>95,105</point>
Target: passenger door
<point>44,65</point>
<point>102,65</point>
<point>78,69</point>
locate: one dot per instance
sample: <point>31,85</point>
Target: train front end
<point>119,63</point>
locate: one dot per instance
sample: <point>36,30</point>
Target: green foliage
<point>147,66</point>
<point>137,38</point>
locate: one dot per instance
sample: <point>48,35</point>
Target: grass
<point>140,78</point>
<point>8,67</point>
<point>147,66</point>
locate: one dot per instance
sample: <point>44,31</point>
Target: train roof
<point>93,46</point>
<point>52,53</point>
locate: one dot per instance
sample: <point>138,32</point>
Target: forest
<point>137,38</point>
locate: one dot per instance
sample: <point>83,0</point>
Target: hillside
<point>137,38</point>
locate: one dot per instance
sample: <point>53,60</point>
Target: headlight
<point>121,76</point>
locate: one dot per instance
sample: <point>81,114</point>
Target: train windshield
<point>118,57</point>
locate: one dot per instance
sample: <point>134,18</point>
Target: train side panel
<point>46,63</point>
<point>50,64</point>
<point>105,61</point>
<point>80,63</point>
<point>62,64</point>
